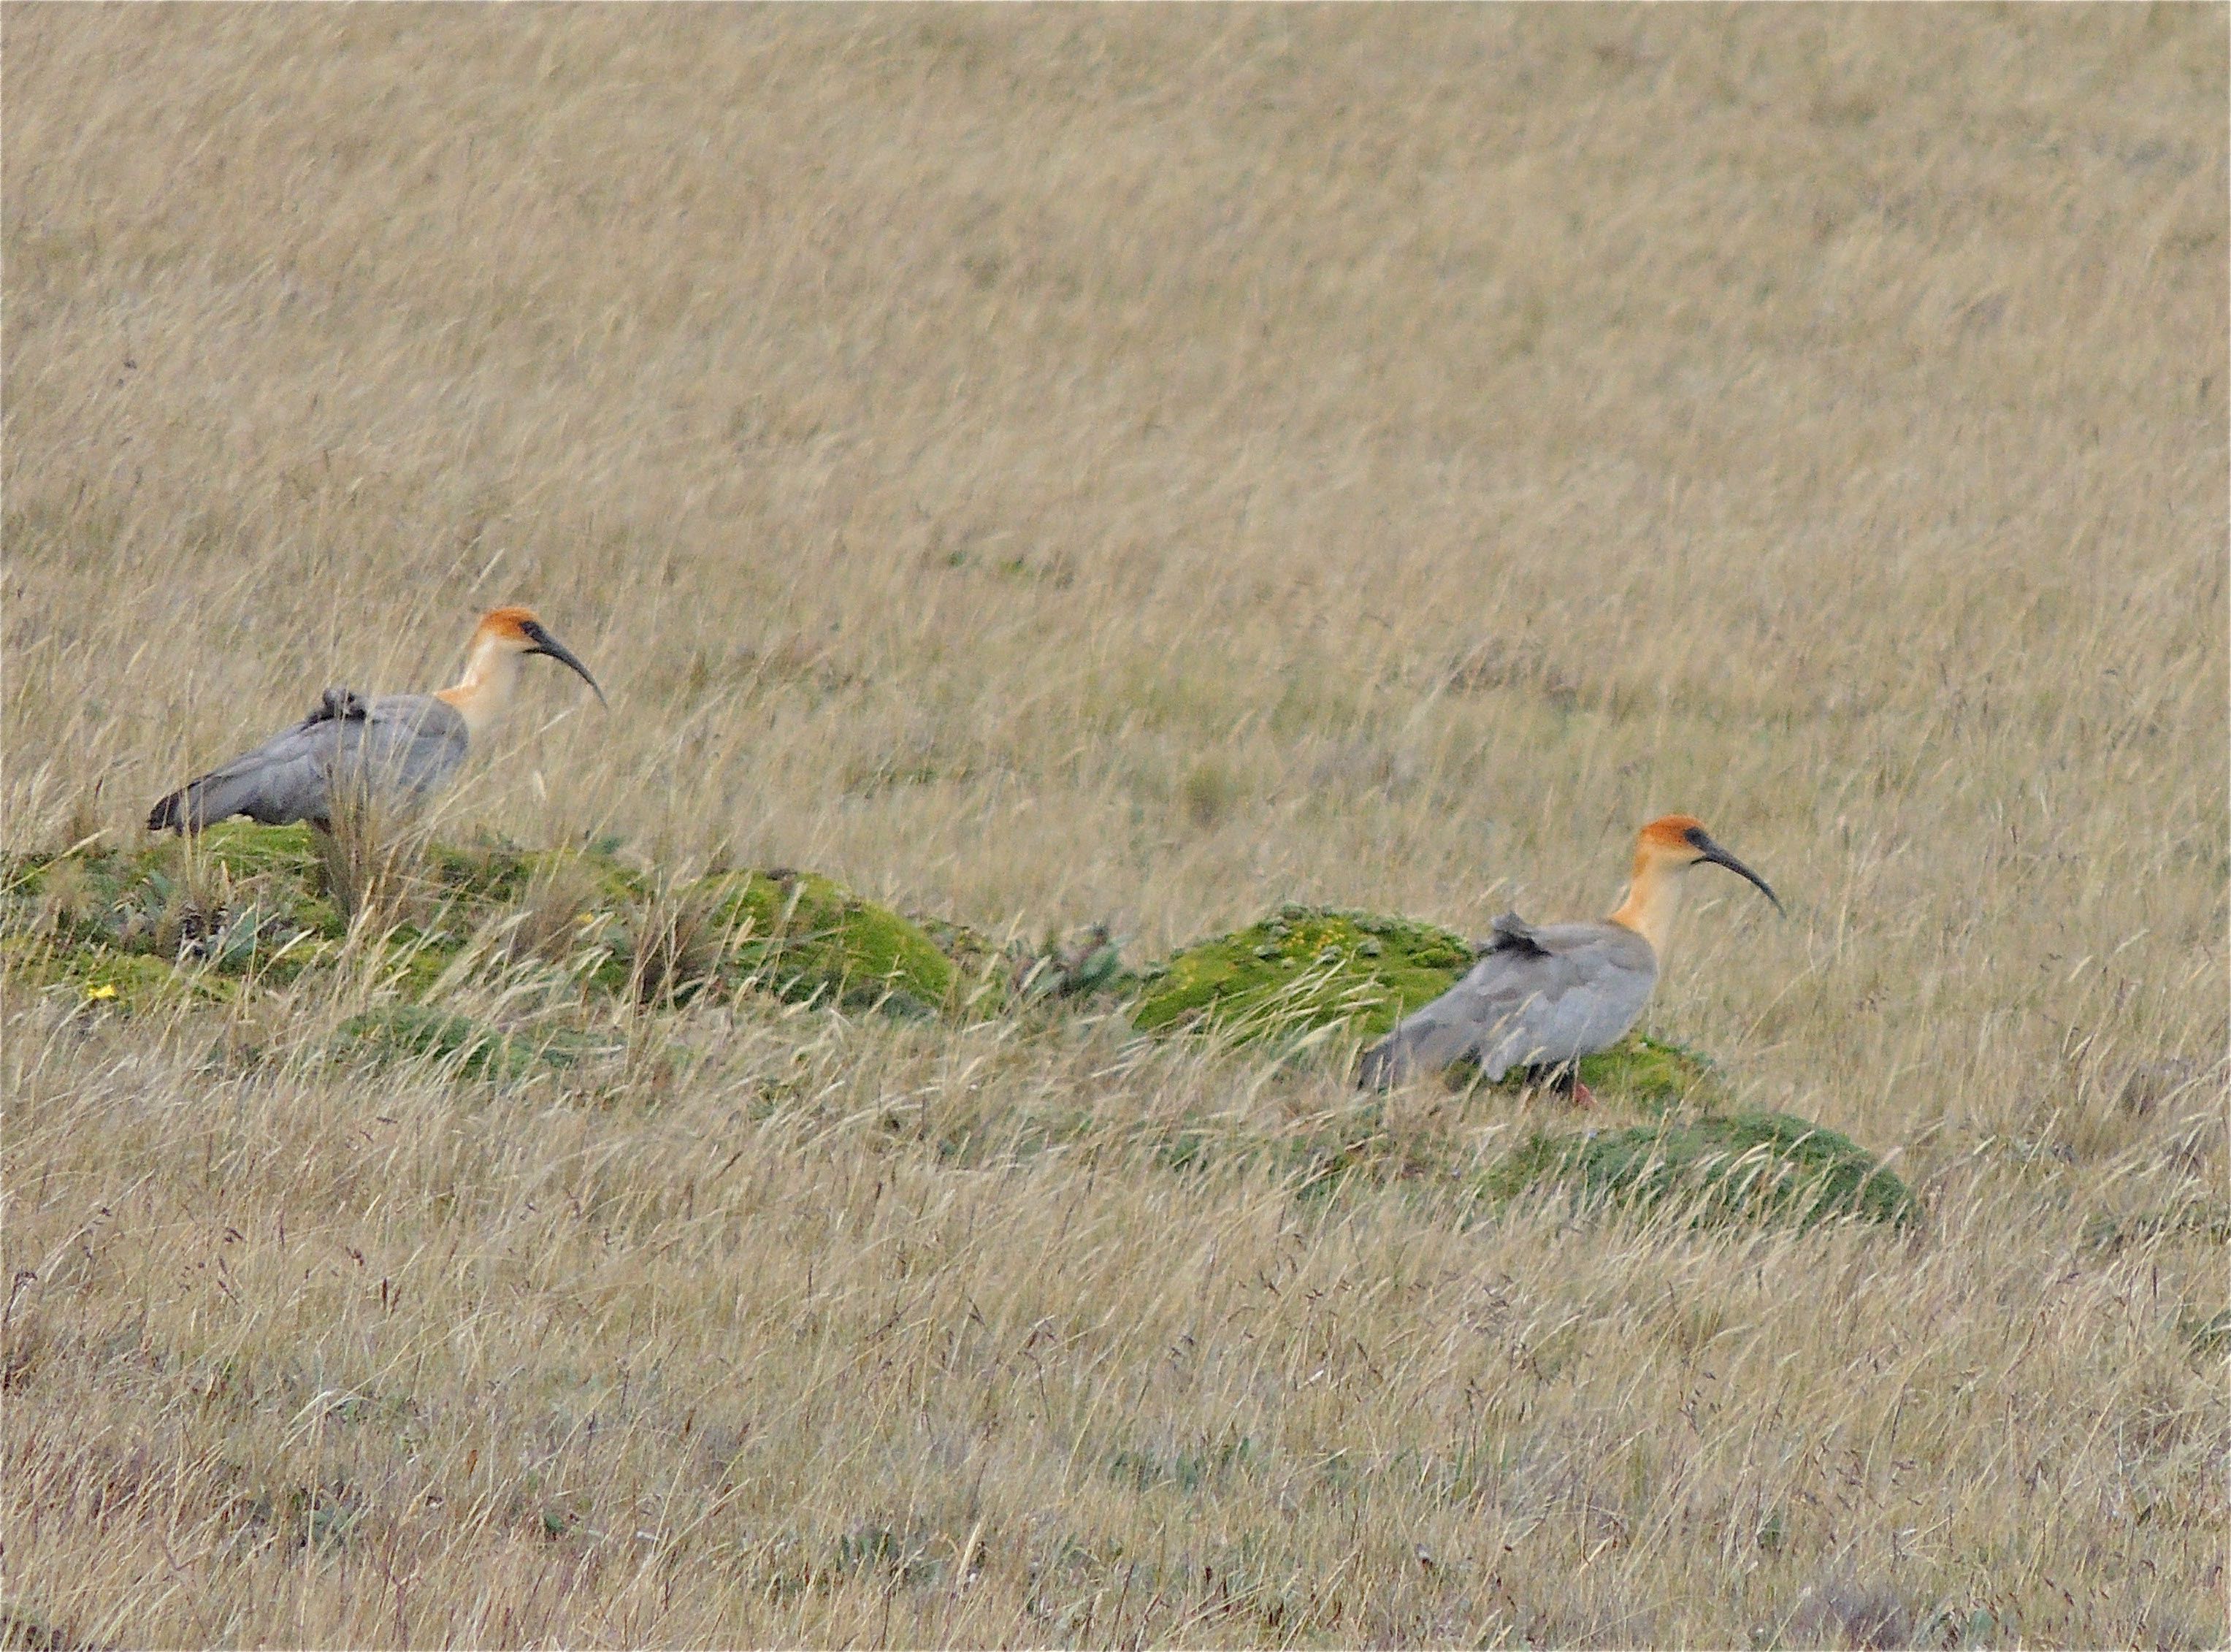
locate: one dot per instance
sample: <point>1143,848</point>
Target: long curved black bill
<point>1719,856</point>
<point>545,643</point>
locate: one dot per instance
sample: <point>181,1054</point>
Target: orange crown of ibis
<point>1670,831</point>
<point>508,622</point>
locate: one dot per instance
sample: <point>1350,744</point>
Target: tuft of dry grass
<point>367,859</point>
<point>1137,467</point>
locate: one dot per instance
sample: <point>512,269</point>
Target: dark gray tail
<point>170,814</point>
<point>187,809</point>
<point>1383,1066</point>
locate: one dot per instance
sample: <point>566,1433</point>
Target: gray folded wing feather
<point>400,747</point>
<point>1538,995</point>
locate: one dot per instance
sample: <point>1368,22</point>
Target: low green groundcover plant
<point>1302,969</point>
<point>407,1031</point>
<point>1733,1166</point>
<point>242,903</point>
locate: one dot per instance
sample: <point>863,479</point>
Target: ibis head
<point>1681,840</point>
<point>518,628</point>
<point>503,638</point>
<point>1664,853</point>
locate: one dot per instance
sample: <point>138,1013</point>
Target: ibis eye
<point>1697,837</point>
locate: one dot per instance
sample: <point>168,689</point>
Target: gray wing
<point>413,745</point>
<point>1538,995</point>
<point>402,746</point>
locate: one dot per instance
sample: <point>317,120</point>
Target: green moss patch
<point>1751,1166</point>
<point>247,851</point>
<point>806,938</point>
<point>983,970</point>
<point>490,869</point>
<point>494,871</point>
<point>412,959</point>
<point>104,979</point>
<point>1302,969</point>
<point>801,936</point>
<point>1652,1075</point>
<point>242,900</point>
<point>235,901</point>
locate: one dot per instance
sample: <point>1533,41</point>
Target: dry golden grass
<point>1139,465</point>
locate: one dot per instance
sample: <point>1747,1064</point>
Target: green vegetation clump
<point>1652,1075</point>
<point>103,979</point>
<point>1300,969</point>
<point>494,871</point>
<point>193,916</point>
<point>242,901</point>
<point>420,1032</point>
<point>1746,1166</point>
<point>234,892</point>
<point>808,939</point>
<point>982,969</point>
<point>1749,1166</point>
<point>244,850</point>
<point>800,936</point>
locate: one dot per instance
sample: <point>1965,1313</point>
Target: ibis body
<point>396,748</point>
<point>1545,995</point>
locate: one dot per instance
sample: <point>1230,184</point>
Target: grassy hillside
<point>1128,471</point>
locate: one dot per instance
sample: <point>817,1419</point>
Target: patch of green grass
<point>488,869</point>
<point>105,980</point>
<point>598,867</point>
<point>1654,1076</point>
<point>983,970</point>
<point>231,900</point>
<point>242,898</point>
<point>1305,968</point>
<point>246,850</point>
<point>1651,1075</point>
<point>1751,1166</point>
<point>420,1031</point>
<point>1302,969</point>
<point>807,938</point>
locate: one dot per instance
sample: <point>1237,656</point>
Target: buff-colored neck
<point>1653,897</point>
<point>483,694</point>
